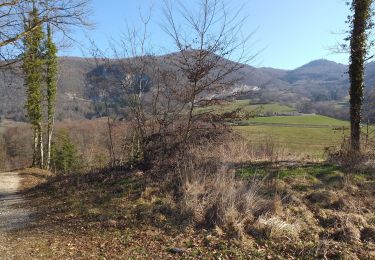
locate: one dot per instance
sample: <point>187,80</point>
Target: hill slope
<point>319,80</point>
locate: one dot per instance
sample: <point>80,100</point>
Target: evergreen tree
<point>64,154</point>
<point>51,81</point>
<point>33,71</point>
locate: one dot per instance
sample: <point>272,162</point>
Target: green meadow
<point>306,134</point>
<point>308,120</point>
<point>297,138</point>
<point>247,106</point>
<point>303,134</point>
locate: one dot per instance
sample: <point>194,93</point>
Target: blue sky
<point>289,33</point>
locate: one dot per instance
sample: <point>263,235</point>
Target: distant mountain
<point>318,70</point>
<point>370,74</point>
<point>276,73</point>
<point>319,80</point>
<point>316,81</point>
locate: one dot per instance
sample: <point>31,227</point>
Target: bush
<point>64,155</point>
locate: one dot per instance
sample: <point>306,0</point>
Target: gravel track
<point>12,215</point>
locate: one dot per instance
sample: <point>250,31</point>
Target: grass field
<point>309,141</point>
<point>308,134</point>
<point>247,106</point>
<point>313,120</point>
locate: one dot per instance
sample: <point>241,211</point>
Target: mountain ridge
<point>317,80</point>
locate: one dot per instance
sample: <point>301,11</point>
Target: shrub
<point>64,155</point>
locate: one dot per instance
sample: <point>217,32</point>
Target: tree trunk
<point>111,146</point>
<point>358,48</point>
<point>49,143</point>
<point>40,147</point>
<point>35,148</point>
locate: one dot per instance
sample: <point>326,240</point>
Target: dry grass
<point>275,228</point>
<point>235,149</point>
<point>219,199</point>
<point>344,156</point>
<point>213,196</point>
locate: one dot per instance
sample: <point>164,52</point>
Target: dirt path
<point>12,216</point>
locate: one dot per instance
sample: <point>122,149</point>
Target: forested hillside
<point>320,83</point>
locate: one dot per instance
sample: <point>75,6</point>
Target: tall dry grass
<point>214,197</point>
<point>218,199</point>
<point>343,155</point>
<point>235,149</point>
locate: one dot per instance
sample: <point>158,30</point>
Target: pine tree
<point>33,72</point>
<point>51,81</point>
<point>64,154</point>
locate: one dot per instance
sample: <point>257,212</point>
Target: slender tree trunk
<point>40,146</point>
<point>191,112</point>
<point>49,143</point>
<point>111,146</point>
<point>35,148</point>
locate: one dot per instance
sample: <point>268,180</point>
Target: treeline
<point>81,145</point>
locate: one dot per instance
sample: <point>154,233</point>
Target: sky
<point>288,33</point>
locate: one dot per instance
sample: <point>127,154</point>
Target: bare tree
<point>211,47</point>
<point>60,14</point>
<point>99,87</point>
<point>163,92</point>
